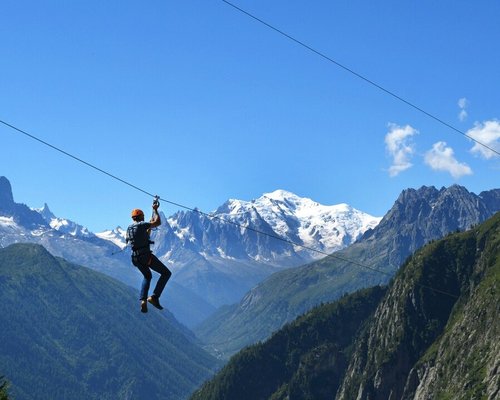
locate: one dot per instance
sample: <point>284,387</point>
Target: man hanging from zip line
<point>142,257</point>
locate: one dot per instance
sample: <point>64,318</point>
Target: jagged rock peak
<point>430,193</point>
<point>46,213</point>
<point>491,198</point>
<point>6,197</point>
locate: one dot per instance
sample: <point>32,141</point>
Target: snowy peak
<point>210,254</point>
<point>69,227</point>
<point>46,213</point>
<point>323,227</point>
<point>21,214</point>
<point>116,236</point>
<point>62,225</point>
<point>284,196</point>
<point>280,194</point>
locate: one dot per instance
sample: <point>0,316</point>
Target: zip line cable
<point>211,216</point>
<point>362,77</point>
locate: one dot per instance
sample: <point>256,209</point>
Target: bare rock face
<point>465,361</point>
<point>6,197</point>
<point>427,213</point>
<point>20,213</point>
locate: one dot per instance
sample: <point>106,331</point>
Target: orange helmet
<point>137,213</point>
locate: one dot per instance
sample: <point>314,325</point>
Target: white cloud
<point>487,133</point>
<point>462,104</point>
<point>441,158</point>
<point>462,115</point>
<point>400,147</point>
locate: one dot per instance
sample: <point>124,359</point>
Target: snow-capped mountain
<point>63,225</point>
<point>215,258</point>
<point>302,220</point>
<point>312,226</point>
<point>223,254</point>
<point>116,236</point>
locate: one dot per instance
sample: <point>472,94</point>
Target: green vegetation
<point>284,295</point>
<point>71,333</point>
<point>304,360</point>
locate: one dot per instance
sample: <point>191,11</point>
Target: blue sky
<point>198,103</point>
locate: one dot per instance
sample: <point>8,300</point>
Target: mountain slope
<point>431,334</point>
<point>70,332</point>
<point>424,344</point>
<point>305,356</point>
<point>417,217</point>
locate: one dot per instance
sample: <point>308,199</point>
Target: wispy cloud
<point>399,145</point>
<point>441,158</point>
<point>487,133</point>
<point>463,104</point>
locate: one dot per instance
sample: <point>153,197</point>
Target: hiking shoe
<point>144,306</point>
<point>155,302</point>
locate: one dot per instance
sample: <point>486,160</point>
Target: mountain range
<point>417,217</point>
<point>221,256</point>
<point>218,262</point>
<point>432,333</point>
<point>73,242</point>
<point>215,258</point>
<point>69,332</point>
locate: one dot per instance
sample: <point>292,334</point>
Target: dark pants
<point>145,266</point>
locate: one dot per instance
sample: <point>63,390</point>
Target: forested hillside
<point>69,332</point>
<point>434,333</point>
